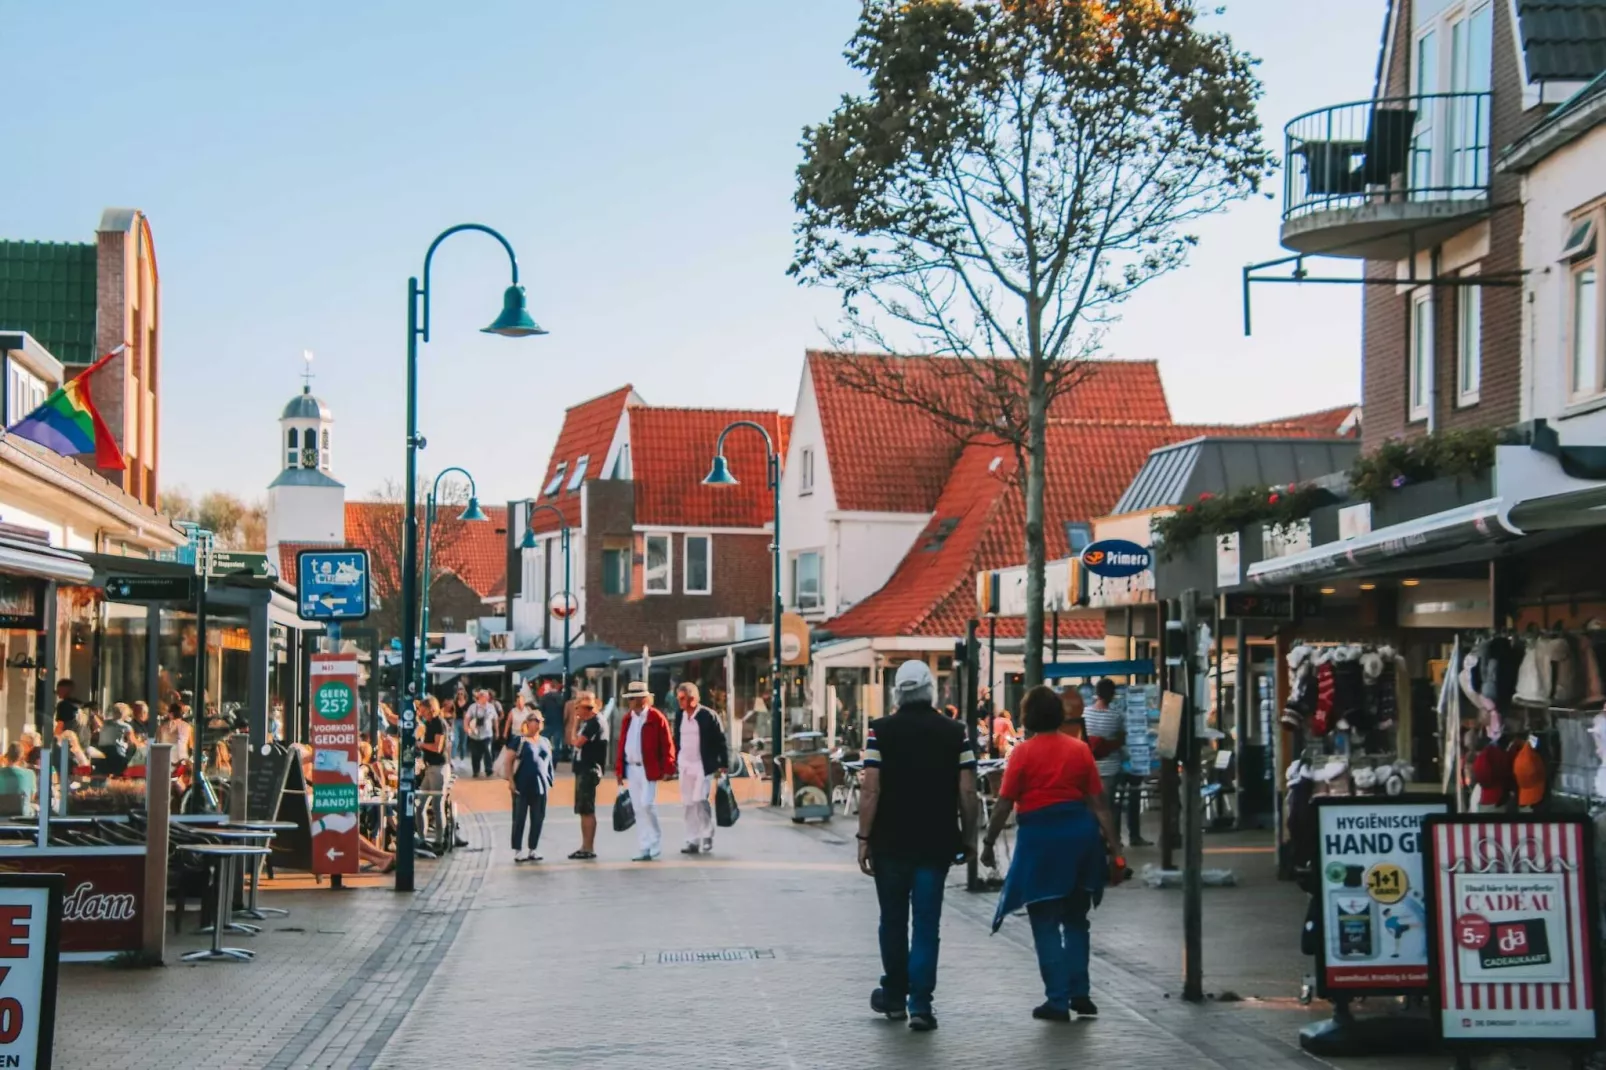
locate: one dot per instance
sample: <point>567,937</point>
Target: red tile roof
<point>886,456</point>
<point>588,430</point>
<point>1328,423</point>
<point>477,553</point>
<point>670,453</point>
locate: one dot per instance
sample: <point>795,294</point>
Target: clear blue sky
<point>297,157</point>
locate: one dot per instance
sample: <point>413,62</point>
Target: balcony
<point>1384,179</point>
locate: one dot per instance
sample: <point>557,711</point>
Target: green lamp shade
<point>473,512</point>
<point>720,474</point>
<point>515,321</point>
<point>528,542</point>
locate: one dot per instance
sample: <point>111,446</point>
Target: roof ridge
<point>701,408</point>
<point>628,388</point>
<point>834,354</point>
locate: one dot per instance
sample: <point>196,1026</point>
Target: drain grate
<point>726,954</point>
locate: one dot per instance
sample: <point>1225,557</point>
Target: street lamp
<point>513,322</point>
<point>473,514</point>
<point>528,543</point>
<point>720,476</point>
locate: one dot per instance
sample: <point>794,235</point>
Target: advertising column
<point>333,685</point>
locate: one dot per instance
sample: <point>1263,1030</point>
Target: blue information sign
<point>333,584</point>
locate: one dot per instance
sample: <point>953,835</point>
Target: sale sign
<point>1373,916</point>
<point>30,915</point>
<point>333,685</point>
<point>1511,909</point>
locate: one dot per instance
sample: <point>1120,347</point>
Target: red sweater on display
<point>657,748</point>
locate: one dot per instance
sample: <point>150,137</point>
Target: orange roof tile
<point>671,450</point>
<point>1327,423</point>
<point>588,430</point>
<point>886,456</point>
<point>478,553</point>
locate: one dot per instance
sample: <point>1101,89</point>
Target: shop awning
<point>582,657</point>
<point>680,657</point>
<point>466,670</point>
<point>22,558</point>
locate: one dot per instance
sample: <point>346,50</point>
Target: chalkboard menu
<point>268,773</point>
<point>278,792</point>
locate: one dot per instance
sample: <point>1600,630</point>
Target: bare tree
<point>1013,172</point>
<point>237,523</point>
<point>381,531</point>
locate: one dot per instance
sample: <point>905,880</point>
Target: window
<point>699,577</point>
<point>805,480</point>
<point>326,440</point>
<point>659,575</point>
<point>1421,343</point>
<point>1079,535</point>
<point>1468,343</point>
<point>806,581</point>
<point>556,482</point>
<point>579,472</point>
<point>616,570</point>
<point>1585,375</point>
<point>294,441</point>
<point>621,463</point>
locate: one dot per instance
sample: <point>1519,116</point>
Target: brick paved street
<point>560,965</point>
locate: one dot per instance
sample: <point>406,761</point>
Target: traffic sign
<point>239,563</point>
<point>333,584</point>
<point>150,588</point>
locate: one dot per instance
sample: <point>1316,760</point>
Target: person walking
<point>454,719</point>
<point>590,745</point>
<point>702,753</point>
<point>1106,734</point>
<point>481,721</point>
<point>1064,840</point>
<point>175,731</point>
<point>917,813</point>
<point>437,766</point>
<point>646,756</point>
<point>511,729</point>
<point>529,779</point>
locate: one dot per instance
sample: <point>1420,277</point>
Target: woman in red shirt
<point>1061,860</point>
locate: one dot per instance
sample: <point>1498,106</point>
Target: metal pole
<point>1243,724</point>
<point>968,705</point>
<point>409,721</point>
<point>992,664</point>
<point>423,598</point>
<point>1054,655</point>
<point>203,562</point>
<point>1192,809</point>
<point>774,461</point>
<point>1170,646</point>
<point>569,606</point>
<point>1220,703</point>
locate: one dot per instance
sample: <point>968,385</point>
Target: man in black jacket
<point>701,751</point>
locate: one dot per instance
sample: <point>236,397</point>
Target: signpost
<point>150,588</point>
<point>239,563</point>
<point>333,584</point>
<point>333,684</point>
<point>30,937</point>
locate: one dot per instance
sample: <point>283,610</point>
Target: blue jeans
<point>909,964</point>
<point>1059,930</point>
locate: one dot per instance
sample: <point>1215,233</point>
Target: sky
<point>296,158</point>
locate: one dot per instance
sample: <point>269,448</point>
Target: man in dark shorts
<point>590,753</point>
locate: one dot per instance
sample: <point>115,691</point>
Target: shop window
<point>1421,371</point>
<point>1468,342</point>
<point>1582,255</point>
<point>699,564</point>
<point>806,581</point>
<point>616,570</point>
<point>659,575</point>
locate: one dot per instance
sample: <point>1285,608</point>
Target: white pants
<point>695,787</point>
<point>644,797</point>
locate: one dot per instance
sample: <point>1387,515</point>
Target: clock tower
<point>306,504</point>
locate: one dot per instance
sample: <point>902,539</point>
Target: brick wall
<point>740,588</point>
<point>1385,336</point>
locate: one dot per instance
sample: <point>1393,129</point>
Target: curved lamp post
<point>720,476</point>
<point>513,322</point>
<point>473,514</point>
<point>528,543</point>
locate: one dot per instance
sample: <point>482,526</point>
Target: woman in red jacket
<point>646,756</point>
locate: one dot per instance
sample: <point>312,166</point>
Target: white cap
<point>914,678</point>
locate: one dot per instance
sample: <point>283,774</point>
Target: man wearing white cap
<point>917,814</point>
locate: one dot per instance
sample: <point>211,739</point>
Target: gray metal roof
<point>305,407</point>
<point>1177,474</point>
<point>305,477</point>
<point>1565,40</point>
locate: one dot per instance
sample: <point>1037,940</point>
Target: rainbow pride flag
<point>69,423</point>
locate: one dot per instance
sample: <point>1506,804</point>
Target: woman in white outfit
<point>701,751</point>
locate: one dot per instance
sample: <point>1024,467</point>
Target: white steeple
<point>305,502</point>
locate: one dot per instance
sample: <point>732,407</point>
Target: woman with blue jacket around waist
<point>1062,851</point>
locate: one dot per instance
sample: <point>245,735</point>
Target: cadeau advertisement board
<point>1511,905</point>
<point>1372,907</point>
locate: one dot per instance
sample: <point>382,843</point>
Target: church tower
<point>306,504</point>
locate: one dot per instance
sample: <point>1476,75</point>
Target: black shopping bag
<point>725,809</point>
<point>624,812</point>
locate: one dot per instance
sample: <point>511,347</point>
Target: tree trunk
<point>1036,463</point>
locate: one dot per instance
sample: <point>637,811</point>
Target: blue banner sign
<point>333,584</point>
<point>1115,558</point>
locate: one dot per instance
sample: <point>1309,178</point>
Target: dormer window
<point>556,481</point>
<point>579,472</point>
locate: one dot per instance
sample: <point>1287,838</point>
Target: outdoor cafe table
<point>271,828</point>
<point>249,838</point>
<point>225,854</point>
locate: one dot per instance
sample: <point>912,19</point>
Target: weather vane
<point>306,374</point>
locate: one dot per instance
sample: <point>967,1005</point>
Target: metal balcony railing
<point>1429,147</point>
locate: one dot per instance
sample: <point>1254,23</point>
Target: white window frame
<point>1580,256</point>
<point>579,474</point>
<point>555,484</point>
<point>1419,372</point>
<point>797,591</point>
<point>708,578</point>
<point>805,474</point>
<point>669,563</point>
<point>1468,341</point>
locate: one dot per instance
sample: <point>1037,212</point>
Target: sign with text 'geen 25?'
<point>333,685</point>
<point>1372,908</point>
<point>30,929</point>
<point>1512,912</point>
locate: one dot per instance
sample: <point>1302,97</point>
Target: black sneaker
<point>878,1003</point>
<point>1049,1013</point>
<point>1084,1007</point>
<point>1141,842</point>
<point>923,1023</point>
